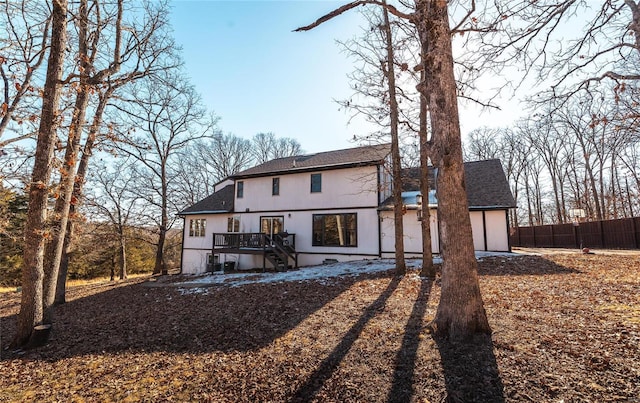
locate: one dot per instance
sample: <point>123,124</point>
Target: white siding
<point>195,249</point>
<point>299,223</point>
<point>343,188</point>
<point>477,229</point>
<point>497,230</point>
<point>412,233</point>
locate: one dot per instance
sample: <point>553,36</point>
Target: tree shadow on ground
<point>520,265</point>
<point>402,388</point>
<point>140,318</point>
<point>324,371</point>
<point>470,370</point>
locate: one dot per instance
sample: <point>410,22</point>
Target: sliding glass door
<point>272,225</point>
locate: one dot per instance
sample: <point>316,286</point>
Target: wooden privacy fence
<point>622,233</point>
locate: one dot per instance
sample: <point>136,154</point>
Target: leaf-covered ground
<point>566,327</point>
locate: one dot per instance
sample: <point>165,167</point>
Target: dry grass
<point>81,282</point>
<point>566,327</point>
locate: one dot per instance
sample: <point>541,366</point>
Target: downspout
<point>378,212</point>
<point>506,216</point>
<point>484,230</point>
<point>379,234</point>
<point>184,220</point>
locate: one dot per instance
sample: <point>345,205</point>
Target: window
<point>316,183</point>
<point>335,229</point>
<point>233,224</point>
<point>275,186</point>
<point>239,189</point>
<point>197,227</point>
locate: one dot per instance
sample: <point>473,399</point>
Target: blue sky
<point>259,76</point>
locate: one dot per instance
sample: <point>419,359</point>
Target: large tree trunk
<point>389,71</point>
<point>53,254</point>
<point>31,306</point>
<point>461,311</point>
<point>55,248</point>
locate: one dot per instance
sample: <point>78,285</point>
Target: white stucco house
<point>307,209</point>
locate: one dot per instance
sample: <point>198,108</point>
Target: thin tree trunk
<point>428,270</point>
<point>626,183</point>
<point>614,192</point>
<point>389,71</point>
<point>160,266</point>
<point>122,253</point>
<point>114,263</point>
<point>594,190</point>
<point>528,191</point>
<point>461,311</point>
<point>31,305</point>
<point>83,166</point>
<point>61,284</point>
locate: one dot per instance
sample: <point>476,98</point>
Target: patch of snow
<point>316,273</point>
<point>482,254</point>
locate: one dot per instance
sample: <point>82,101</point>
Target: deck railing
<point>277,249</point>
<point>257,240</point>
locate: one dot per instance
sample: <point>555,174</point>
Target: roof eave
<point>183,213</point>
<point>296,170</point>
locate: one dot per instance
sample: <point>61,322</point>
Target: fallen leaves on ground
<point>566,327</point>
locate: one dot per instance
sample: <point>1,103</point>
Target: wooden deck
<point>278,250</point>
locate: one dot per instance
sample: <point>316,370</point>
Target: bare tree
<point>380,83</point>
<point>88,43</point>
<point>23,53</point>
<point>149,50</point>
<point>482,144</point>
<point>460,312</point>
<point>31,307</point>
<point>388,69</point>
<point>169,116</point>
<point>266,146</point>
<point>286,147</point>
<point>206,162</point>
<point>113,198</point>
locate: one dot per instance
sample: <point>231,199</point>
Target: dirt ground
<point>566,328</point>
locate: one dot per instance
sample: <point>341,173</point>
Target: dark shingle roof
<point>485,181</point>
<point>487,184</point>
<point>366,155</point>
<point>218,202</point>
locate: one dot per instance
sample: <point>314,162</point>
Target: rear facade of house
<point>309,209</point>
